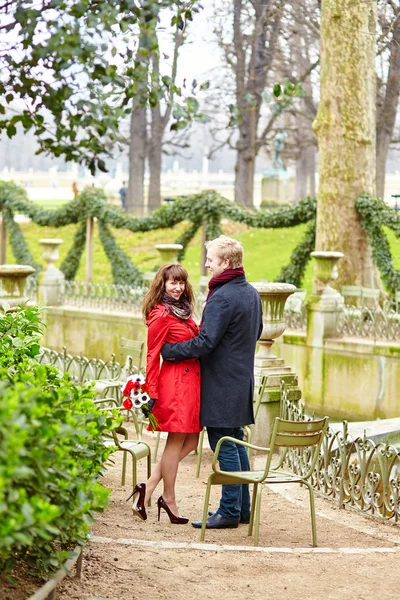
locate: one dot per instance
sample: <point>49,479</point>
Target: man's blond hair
<point>227,248</point>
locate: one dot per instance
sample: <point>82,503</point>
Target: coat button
<point>187,370</point>
<point>198,373</point>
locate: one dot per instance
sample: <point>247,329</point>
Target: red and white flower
<point>135,392</point>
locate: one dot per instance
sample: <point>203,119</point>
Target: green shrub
<point>20,332</point>
<point>51,452</point>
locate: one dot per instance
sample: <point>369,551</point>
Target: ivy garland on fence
<point>206,208</point>
<point>374,215</point>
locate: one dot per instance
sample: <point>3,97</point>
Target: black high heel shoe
<point>173,518</point>
<point>139,510</point>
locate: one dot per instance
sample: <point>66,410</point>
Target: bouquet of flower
<point>136,395</point>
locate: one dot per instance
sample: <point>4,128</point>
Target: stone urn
<point>50,250</point>
<point>266,364</point>
<point>273,298</point>
<point>12,284</point>
<point>325,271</point>
<point>169,252</point>
<point>325,303</point>
<point>51,280</point>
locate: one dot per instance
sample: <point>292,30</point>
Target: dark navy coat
<point>231,326</point>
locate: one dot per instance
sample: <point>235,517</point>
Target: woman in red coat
<point>174,388</point>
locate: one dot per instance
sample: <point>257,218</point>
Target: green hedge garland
<point>122,268</point>
<point>374,215</point>
<point>71,262</point>
<point>206,207</point>
<point>294,272</point>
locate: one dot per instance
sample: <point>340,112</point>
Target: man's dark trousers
<point>235,500</point>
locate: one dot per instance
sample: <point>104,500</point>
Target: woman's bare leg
<point>169,467</point>
<point>189,444</point>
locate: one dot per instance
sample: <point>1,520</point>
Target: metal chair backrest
<point>295,302</point>
<point>203,281</point>
<point>297,434</point>
<point>351,291</point>
<point>371,294</point>
<point>397,300</point>
<point>258,394</point>
<point>131,354</point>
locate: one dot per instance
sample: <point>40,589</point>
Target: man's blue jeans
<point>235,499</point>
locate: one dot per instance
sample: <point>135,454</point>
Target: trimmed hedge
<point>51,452</point>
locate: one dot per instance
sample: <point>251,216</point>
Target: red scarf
<point>224,277</point>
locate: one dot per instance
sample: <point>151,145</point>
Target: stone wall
<point>346,379</point>
<point>90,332</point>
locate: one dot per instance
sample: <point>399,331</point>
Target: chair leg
<point>205,510</point>
<point>248,438</point>
<point>149,471</point>
<point>123,477</point>
<point>258,508</point>
<point>253,505</point>
<point>156,447</point>
<point>200,452</point>
<point>134,471</point>
<point>312,510</point>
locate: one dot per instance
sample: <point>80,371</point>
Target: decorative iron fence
<point>83,369</point>
<point>295,312</point>
<point>378,323</point>
<point>103,296</point>
<point>354,472</point>
<point>368,322</point>
<point>31,288</point>
<point>106,296</point>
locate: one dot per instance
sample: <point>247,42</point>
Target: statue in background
<point>279,144</point>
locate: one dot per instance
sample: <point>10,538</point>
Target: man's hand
<point>164,349</point>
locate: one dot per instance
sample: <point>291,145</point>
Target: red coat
<point>176,385</point>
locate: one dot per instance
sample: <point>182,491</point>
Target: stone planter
<point>273,298</point>
<point>266,364</point>
<point>50,250</point>
<point>12,283</point>
<point>168,252</point>
<point>325,270</point>
<point>51,280</point>
<point>325,302</point>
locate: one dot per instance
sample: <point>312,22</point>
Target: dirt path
<point>357,558</point>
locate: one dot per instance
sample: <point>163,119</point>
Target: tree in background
<point>346,130</point>
<point>388,84</point>
<point>249,39</point>
<point>149,120</point>
<point>68,72</point>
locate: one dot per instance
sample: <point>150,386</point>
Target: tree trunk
<point>155,160</point>
<point>387,114</point>
<point>345,126</point>
<point>305,173</point>
<point>250,83</point>
<point>244,178</point>
<point>137,158</point>
<point>159,122</point>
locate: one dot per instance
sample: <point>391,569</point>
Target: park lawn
<point>266,250</point>
<point>51,204</point>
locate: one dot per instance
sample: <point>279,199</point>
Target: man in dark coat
<point>230,328</point>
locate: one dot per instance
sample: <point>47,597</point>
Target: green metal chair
<point>285,435</point>
<point>257,401</point>
<point>136,448</point>
<point>131,359</point>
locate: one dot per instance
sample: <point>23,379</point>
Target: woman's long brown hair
<point>172,271</point>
